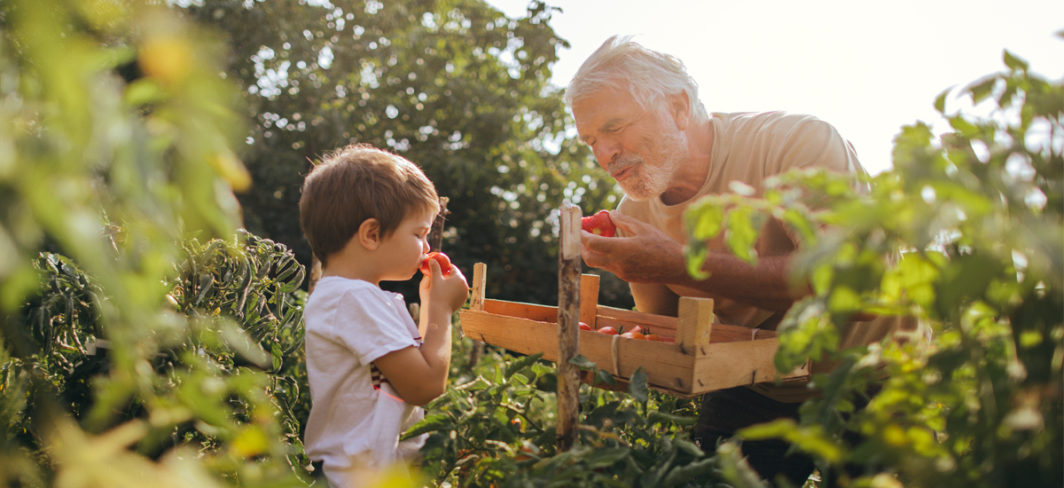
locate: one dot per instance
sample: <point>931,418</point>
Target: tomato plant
<point>635,437</point>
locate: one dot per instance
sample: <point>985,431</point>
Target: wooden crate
<point>703,355</point>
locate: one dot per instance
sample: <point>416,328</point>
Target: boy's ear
<point>369,234</point>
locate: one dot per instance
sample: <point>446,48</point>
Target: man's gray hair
<point>648,75</point>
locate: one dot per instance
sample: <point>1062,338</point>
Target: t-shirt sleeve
<point>371,327</point>
<point>811,143</point>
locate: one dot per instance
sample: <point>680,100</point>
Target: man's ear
<point>679,106</point>
<point>369,233</point>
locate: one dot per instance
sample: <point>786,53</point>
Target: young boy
<point>367,214</point>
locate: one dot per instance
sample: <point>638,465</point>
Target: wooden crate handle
<point>479,272</point>
<point>589,291</point>
<point>694,324</point>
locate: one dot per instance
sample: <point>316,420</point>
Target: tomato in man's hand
<point>445,263</point>
<point>599,224</point>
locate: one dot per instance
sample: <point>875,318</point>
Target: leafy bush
<point>977,214</point>
<point>116,367</point>
<point>231,384</point>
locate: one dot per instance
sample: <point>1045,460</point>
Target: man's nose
<point>606,152</point>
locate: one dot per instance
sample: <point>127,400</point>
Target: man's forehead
<point>603,103</point>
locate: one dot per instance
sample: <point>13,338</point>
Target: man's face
<point>641,149</point>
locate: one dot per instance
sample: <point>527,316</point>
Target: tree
<point>455,86</point>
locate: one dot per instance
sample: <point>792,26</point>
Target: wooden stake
<point>436,232</point>
<point>480,271</point>
<point>568,325</point>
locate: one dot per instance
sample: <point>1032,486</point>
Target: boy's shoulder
<point>330,291</point>
<point>339,283</point>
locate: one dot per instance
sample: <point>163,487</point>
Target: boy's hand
<point>449,290</point>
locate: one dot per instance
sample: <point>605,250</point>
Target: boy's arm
<point>420,374</point>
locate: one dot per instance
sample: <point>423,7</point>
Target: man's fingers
<point>630,225</point>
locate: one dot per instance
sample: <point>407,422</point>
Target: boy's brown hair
<point>355,183</point>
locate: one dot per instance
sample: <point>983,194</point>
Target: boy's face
<point>406,246</point>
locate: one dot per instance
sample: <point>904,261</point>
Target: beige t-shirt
<point>749,148</point>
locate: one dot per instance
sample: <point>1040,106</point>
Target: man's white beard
<point>652,181</point>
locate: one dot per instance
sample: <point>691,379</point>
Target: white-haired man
<point>640,113</point>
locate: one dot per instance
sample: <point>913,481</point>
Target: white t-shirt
<point>356,417</point>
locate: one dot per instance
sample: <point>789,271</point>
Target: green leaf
<point>637,385</point>
<point>810,439</point>
<point>940,101</point>
<point>1014,62</point>
<point>431,423</point>
<point>582,362</point>
<point>705,220</point>
<point>743,226</point>
<point>696,258</point>
<point>521,363</point>
<point>605,458</point>
<point>982,89</point>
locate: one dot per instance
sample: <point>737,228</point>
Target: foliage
<point>495,427</point>
<point>215,386</point>
<point>453,85</point>
<point>977,214</point>
<point>115,151</point>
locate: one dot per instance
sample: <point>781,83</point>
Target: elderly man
<point>640,113</point>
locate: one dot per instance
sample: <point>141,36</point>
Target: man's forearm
<point>765,284</point>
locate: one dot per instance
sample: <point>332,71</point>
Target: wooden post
<point>568,325</point>
<point>480,271</point>
<point>436,232</point>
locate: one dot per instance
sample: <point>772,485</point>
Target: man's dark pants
<point>724,412</point>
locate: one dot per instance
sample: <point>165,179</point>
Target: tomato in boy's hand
<point>445,263</point>
<point>599,224</point>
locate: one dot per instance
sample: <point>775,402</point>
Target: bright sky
<point>866,67</point>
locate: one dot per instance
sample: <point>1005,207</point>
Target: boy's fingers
<point>434,267</point>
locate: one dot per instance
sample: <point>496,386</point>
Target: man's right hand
<point>641,254</point>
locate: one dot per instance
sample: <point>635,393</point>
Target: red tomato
<point>445,263</point>
<point>636,330</point>
<point>607,330</point>
<point>584,326</point>
<point>600,224</point>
